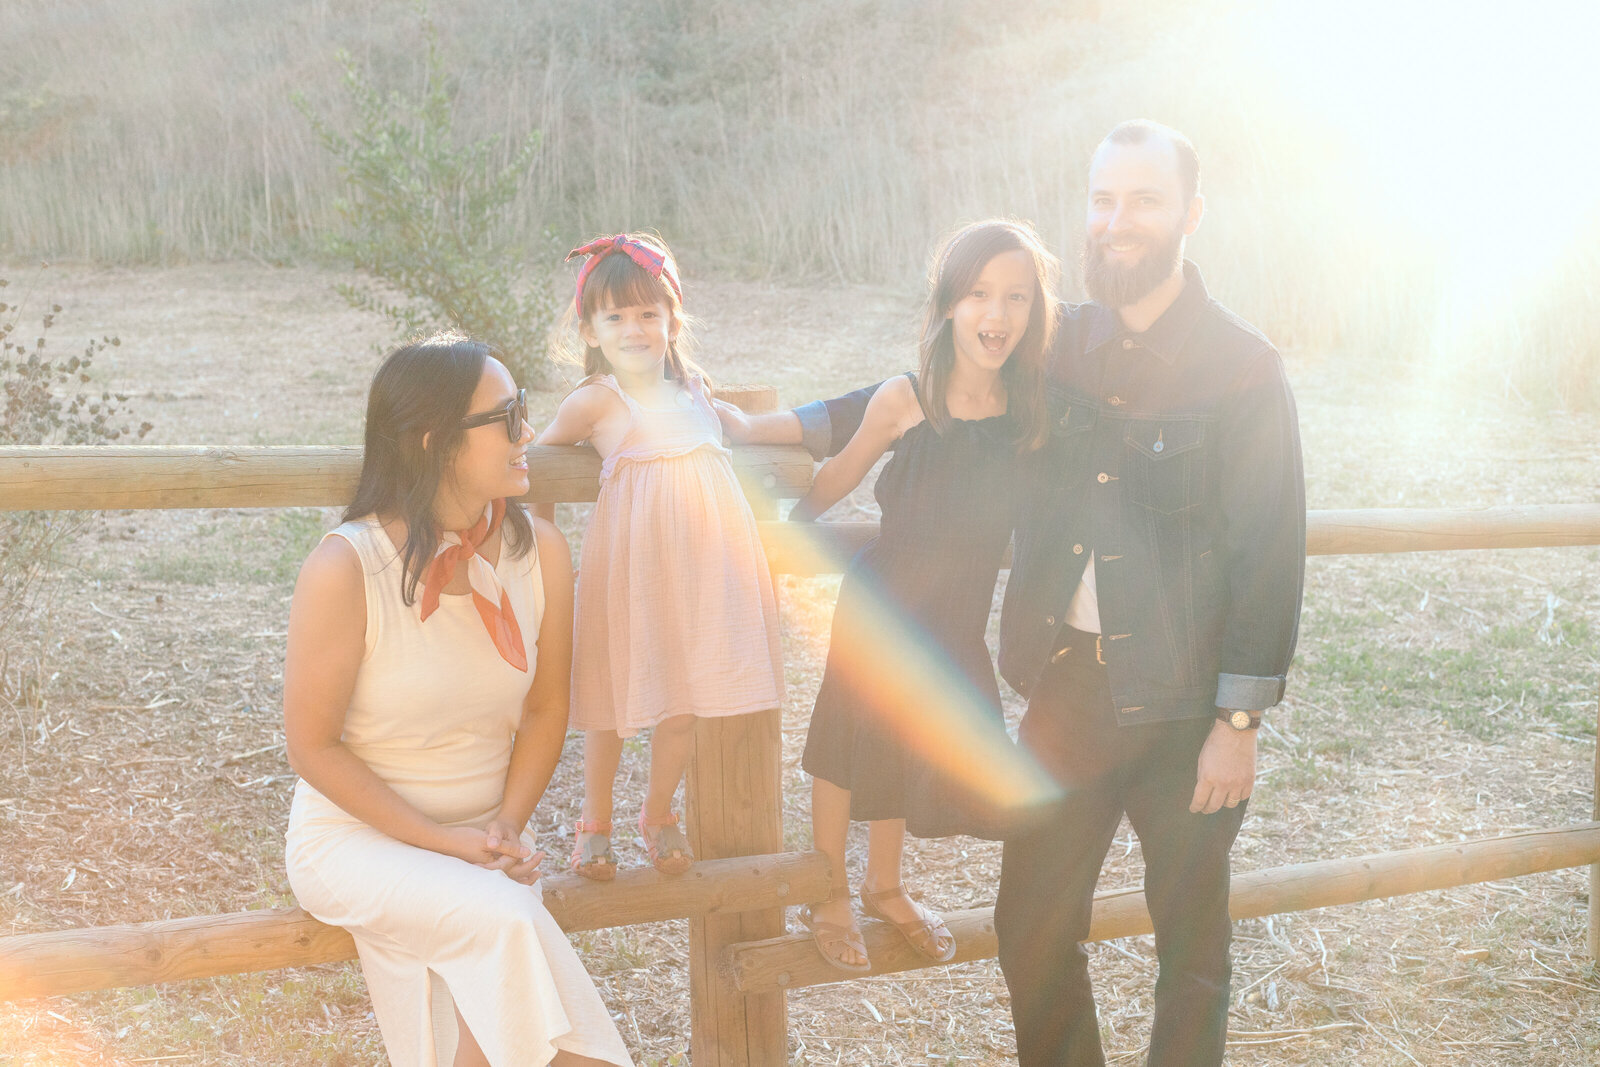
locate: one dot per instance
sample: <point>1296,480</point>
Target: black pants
<point>1048,876</point>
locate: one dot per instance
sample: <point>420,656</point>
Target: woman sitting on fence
<point>425,704</point>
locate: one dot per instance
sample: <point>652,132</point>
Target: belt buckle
<point>1099,651</point>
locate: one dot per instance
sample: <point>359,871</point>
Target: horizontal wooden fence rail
<point>824,547</point>
<point>105,477</point>
<point>792,962</point>
<point>105,957</point>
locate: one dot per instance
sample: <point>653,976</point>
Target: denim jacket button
<point>1128,343</point>
<point>1077,550</point>
<point>1157,447</point>
<point>1102,478</point>
<point>1049,620</point>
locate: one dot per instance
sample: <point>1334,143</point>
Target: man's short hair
<point>1138,131</point>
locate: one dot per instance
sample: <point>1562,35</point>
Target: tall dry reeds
<point>820,139</point>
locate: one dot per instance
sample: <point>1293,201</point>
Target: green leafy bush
<point>429,219</point>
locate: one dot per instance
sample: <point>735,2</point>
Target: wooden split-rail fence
<point>741,959</point>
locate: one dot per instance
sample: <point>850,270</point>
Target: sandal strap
<point>669,819</point>
<point>829,937</point>
<point>667,846</point>
<point>592,826</point>
<point>834,933</point>
<point>667,838</point>
<point>924,932</point>
<point>595,848</point>
<point>594,852</point>
<point>871,897</point>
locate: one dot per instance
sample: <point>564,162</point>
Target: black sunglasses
<point>514,414</point>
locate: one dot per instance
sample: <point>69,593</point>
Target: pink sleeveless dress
<point>675,613</point>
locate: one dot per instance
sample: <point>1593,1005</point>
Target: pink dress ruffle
<point>675,613</point>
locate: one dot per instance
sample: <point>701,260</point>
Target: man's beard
<point>1118,285</point>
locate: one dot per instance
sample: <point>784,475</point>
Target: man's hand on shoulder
<point>1227,772</point>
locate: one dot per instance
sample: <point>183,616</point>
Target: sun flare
<point>1472,123</point>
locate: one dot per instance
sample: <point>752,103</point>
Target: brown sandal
<point>831,937</point>
<point>668,848</point>
<point>922,934</point>
<point>591,855</point>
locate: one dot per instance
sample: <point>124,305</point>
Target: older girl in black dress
<point>907,733</point>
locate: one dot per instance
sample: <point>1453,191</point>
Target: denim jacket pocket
<point>1070,417</point>
<point>1165,463</point>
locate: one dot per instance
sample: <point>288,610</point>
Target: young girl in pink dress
<point>676,616</point>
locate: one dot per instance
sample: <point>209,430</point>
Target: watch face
<point>1239,720</point>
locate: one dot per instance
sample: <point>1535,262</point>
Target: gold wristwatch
<point>1239,720</point>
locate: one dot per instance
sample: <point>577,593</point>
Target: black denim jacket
<point>1174,456</point>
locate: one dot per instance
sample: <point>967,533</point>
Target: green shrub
<point>429,219</point>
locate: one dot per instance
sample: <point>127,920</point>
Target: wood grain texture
<point>273,476</point>
<point>1383,530</point>
<point>791,962</point>
<point>74,961</point>
<point>735,806</point>
<point>825,547</point>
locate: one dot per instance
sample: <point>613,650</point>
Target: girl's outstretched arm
<point>821,426</point>
<point>892,411</point>
<point>576,420</point>
<point>772,428</point>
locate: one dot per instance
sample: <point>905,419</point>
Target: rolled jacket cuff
<point>1248,692</point>
<point>816,429</point>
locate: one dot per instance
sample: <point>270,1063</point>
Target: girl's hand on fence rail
<point>735,424</point>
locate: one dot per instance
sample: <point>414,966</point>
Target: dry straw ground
<point>1435,697</point>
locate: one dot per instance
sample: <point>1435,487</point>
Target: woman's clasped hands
<point>496,847</point>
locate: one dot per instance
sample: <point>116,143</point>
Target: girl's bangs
<point>619,282</point>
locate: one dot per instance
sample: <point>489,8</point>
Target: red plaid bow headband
<point>657,262</point>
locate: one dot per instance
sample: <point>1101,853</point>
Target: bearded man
<point>1152,607</point>
<point>1151,612</point>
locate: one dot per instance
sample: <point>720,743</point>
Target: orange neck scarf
<point>488,595</point>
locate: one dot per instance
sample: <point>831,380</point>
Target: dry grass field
<point>1436,697</point>
<point>1367,164</point>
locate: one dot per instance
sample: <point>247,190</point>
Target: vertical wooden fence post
<point>734,807</point>
<point>1594,869</point>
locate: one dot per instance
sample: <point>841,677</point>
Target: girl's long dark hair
<point>956,266</point>
<point>421,388</point>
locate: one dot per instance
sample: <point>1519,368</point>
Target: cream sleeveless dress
<point>433,713</point>
<point>675,613</point>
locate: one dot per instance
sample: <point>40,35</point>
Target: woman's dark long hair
<point>956,267</point>
<point>422,388</point>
